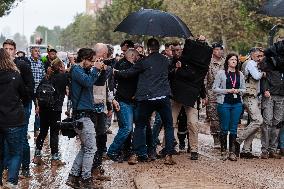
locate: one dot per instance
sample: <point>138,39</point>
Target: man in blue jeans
<point>124,105</point>
<point>152,94</point>
<point>26,73</point>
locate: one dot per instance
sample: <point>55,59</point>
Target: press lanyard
<point>233,82</point>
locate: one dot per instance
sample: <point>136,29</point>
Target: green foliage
<point>6,5</point>
<point>81,33</point>
<point>21,41</point>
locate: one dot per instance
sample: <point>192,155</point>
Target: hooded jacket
<point>12,93</point>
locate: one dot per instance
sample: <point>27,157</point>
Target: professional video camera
<point>68,126</point>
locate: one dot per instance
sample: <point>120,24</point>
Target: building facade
<point>93,6</point>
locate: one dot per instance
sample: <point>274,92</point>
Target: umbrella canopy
<point>273,8</point>
<point>154,23</point>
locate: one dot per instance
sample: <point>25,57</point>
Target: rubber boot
<point>223,142</point>
<point>232,147</point>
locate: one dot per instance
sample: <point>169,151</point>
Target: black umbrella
<point>154,23</point>
<point>273,8</point>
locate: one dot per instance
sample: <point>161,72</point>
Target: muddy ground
<point>208,172</point>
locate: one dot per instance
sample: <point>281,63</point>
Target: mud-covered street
<point>208,172</point>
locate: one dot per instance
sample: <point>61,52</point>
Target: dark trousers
<point>145,110</point>
<point>99,120</point>
<point>48,119</point>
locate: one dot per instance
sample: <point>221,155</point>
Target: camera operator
<point>84,75</point>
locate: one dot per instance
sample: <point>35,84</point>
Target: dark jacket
<point>12,92</point>
<point>153,76</point>
<point>188,81</point>
<point>126,87</point>
<point>24,65</point>
<point>276,54</point>
<point>274,81</point>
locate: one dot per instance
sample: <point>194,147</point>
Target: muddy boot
<point>55,160</point>
<point>73,181</point>
<point>282,151</point>
<point>98,175</point>
<point>133,160</point>
<point>232,147</point>
<point>264,155</point>
<point>90,184</point>
<point>25,173</point>
<point>223,142</point>
<point>274,155</point>
<point>217,144</point>
<point>194,156</point>
<point>169,160</point>
<point>37,158</point>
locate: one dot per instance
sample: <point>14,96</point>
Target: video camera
<point>68,126</point>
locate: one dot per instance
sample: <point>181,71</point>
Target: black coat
<point>187,82</point>
<point>24,66</point>
<point>153,76</point>
<point>12,92</point>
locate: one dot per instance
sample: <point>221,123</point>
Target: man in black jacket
<point>152,94</point>
<point>26,73</point>
<point>125,107</point>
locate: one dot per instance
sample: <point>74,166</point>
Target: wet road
<point>208,172</point>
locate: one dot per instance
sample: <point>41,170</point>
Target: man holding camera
<point>84,75</point>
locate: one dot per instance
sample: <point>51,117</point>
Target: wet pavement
<point>208,172</point>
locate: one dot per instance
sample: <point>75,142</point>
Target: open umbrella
<point>154,23</point>
<point>273,8</point>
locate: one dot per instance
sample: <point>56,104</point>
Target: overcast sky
<point>33,13</point>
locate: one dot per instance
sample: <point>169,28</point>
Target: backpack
<point>46,94</point>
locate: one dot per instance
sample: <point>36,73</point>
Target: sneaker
<point>73,181</point>
<point>25,173</point>
<point>90,184</point>
<point>182,149</point>
<point>274,155</point>
<point>247,155</point>
<point>133,160</point>
<point>232,156</point>
<point>57,162</point>
<point>96,174</point>
<point>9,185</point>
<point>194,156</point>
<point>113,157</point>
<point>264,155</point>
<point>169,160</point>
<point>224,156</point>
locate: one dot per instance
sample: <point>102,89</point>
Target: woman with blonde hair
<point>49,106</point>
<point>12,117</point>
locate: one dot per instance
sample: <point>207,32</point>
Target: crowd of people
<point>137,86</point>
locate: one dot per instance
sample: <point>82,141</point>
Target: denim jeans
<point>281,138</point>
<point>229,115</point>
<point>14,138</point>
<point>125,118</point>
<point>26,146</point>
<point>83,163</point>
<point>145,110</point>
